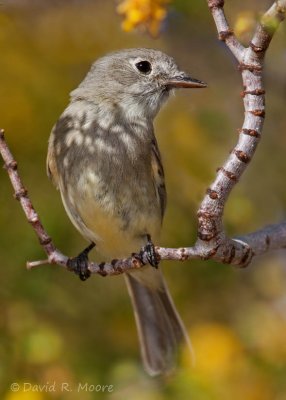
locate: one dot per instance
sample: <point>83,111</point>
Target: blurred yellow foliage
<point>217,348</point>
<point>265,328</point>
<point>244,24</point>
<point>43,345</point>
<point>22,395</point>
<point>222,369</point>
<point>239,211</point>
<point>146,14</point>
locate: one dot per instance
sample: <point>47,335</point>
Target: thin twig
<point>224,32</point>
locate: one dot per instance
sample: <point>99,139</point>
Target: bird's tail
<point>160,329</point>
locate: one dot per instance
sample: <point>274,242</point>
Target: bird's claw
<point>79,264</point>
<point>151,255</point>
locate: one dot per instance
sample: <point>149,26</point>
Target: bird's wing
<point>57,145</point>
<point>158,176</point>
<point>52,171</point>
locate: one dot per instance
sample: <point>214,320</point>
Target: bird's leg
<point>79,264</point>
<point>149,248</point>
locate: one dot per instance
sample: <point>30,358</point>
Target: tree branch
<point>211,235</point>
<point>212,242</point>
<point>224,32</point>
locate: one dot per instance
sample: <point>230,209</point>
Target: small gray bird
<point>104,158</point>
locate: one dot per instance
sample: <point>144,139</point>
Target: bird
<point>103,157</point>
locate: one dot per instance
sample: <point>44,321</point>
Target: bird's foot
<point>79,264</point>
<point>150,251</point>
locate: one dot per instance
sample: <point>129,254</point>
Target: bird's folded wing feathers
<point>158,176</point>
<point>51,162</point>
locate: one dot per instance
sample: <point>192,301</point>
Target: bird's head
<point>136,80</point>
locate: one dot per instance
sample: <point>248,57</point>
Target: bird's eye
<point>144,67</point>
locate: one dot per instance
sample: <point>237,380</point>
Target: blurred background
<point>55,328</point>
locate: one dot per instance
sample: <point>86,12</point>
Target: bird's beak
<point>185,81</point>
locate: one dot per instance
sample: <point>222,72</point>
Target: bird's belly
<point>117,221</point>
<point>115,239</point>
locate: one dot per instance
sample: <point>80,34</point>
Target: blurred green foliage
<point>54,328</point>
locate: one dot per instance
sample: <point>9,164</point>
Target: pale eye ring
<point>144,67</point>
